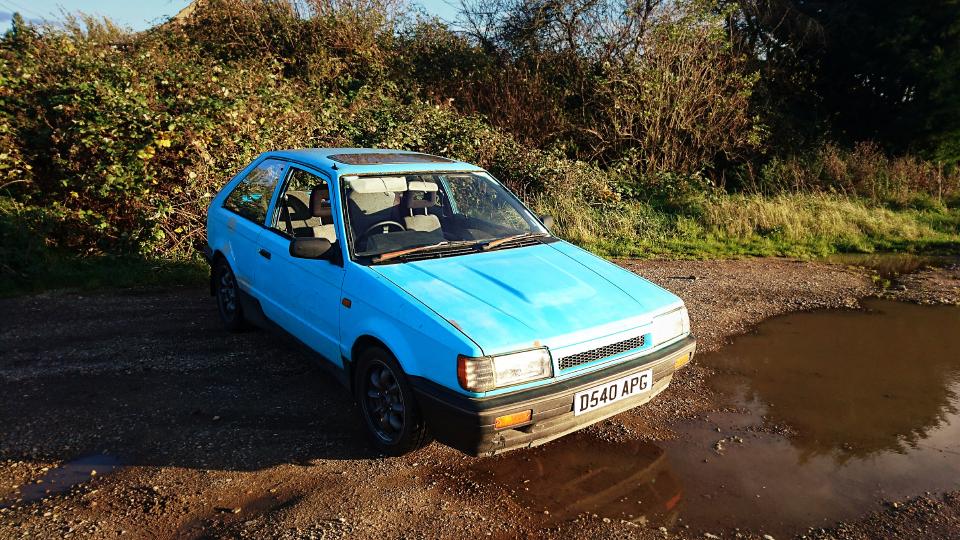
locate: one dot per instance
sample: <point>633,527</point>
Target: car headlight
<point>670,326</point>
<point>489,372</point>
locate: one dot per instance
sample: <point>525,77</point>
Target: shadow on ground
<point>153,379</point>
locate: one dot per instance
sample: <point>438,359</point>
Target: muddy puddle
<point>891,265</point>
<point>63,478</point>
<point>839,411</point>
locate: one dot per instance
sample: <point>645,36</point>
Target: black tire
<point>227,293</point>
<point>387,404</point>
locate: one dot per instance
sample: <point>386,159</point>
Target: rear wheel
<point>387,403</point>
<point>228,297</point>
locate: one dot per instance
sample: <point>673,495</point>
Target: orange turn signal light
<point>512,419</point>
<point>681,361</point>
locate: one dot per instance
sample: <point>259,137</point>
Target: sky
<point>140,14</point>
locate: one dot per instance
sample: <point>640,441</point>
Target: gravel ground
<point>939,285</point>
<point>226,435</point>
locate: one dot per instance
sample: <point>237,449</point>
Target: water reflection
<point>891,264</point>
<point>582,475</point>
<point>851,383</point>
<point>64,477</point>
<point>872,396</point>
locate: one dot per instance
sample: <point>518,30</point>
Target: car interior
<point>309,214</point>
<point>391,213</point>
<point>386,213</point>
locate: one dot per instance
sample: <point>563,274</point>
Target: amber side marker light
<point>512,419</point>
<point>681,361</point>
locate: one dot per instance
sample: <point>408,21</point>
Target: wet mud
<point>835,411</point>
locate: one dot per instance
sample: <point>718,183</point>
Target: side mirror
<point>547,222</point>
<point>309,248</point>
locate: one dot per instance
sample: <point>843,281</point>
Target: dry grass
<point>798,217</point>
<point>736,225</point>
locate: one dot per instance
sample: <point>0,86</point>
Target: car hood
<point>551,295</point>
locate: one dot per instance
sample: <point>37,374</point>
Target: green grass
<point>727,226</point>
<point>93,273</point>
<point>809,225</point>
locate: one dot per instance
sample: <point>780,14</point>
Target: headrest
<point>320,202</point>
<point>429,199</point>
<point>297,205</point>
<point>376,184</point>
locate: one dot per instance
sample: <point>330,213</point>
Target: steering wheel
<point>388,223</point>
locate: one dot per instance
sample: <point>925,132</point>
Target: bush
<point>864,172</point>
<point>113,143</point>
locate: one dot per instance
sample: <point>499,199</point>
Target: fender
<point>417,337</point>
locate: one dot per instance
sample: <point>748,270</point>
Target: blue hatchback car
<point>438,298</point>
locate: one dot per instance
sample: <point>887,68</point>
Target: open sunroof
<point>386,158</point>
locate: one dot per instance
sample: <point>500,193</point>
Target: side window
<point>296,217</point>
<point>251,197</point>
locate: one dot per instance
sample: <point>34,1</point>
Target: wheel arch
<point>214,261</point>
<point>362,343</point>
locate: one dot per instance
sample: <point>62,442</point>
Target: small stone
<point>606,520</point>
<point>93,472</point>
<point>546,512</point>
<point>768,537</point>
<point>236,510</point>
<point>215,418</point>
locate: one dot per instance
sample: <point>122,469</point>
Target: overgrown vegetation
<point>645,128</point>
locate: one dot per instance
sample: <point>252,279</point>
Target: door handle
<point>264,253</point>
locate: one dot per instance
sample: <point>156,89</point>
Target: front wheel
<point>387,403</point>
<point>228,297</point>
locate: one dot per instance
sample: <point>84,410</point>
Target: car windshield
<point>389,214</point>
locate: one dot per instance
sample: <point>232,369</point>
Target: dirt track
<point>224,435</point>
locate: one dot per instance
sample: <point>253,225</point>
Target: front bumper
<point>467,424</point>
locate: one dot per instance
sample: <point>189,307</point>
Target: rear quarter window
<point>251,197</point>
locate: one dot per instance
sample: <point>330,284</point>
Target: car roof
<point>346,161</point>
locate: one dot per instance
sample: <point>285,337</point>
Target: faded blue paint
<point>512,299</point>
<point>427,312</point>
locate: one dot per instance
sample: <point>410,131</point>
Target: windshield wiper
<point>403,252</point>
<point>500,241</point>
<point>490,244</point>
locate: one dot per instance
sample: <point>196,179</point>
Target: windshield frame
<point>528,215</point>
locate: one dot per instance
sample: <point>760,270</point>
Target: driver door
<point>303,295</point>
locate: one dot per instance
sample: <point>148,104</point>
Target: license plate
<point>612,392</point>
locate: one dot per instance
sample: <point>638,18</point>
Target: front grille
<point>606,351</point>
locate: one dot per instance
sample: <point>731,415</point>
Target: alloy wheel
<point>227,294</point>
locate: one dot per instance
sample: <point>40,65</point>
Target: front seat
<point>322,211</point>
<point>420,196</point>
<point>367,209</point>
<point>302,221</point>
